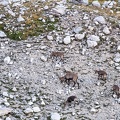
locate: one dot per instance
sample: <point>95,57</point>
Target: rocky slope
<point>30,87</point>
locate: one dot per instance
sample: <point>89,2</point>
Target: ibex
<point>70,76</point>
<point>57,54</point>
<point>70,100</point>
<point>116,90</point>
<point>101,74</point>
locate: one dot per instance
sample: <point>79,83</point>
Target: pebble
<point>61,9</point>
<point>46,7</point>
<point>2,34</point>
<point>100,19</point>
<point>43,58</point>
<point>20,19</point>
<point>118,48</point>
<point>28,110</point>
<point>7,60</point>
<point>8,118</point>
<point>42,102</point>
<point>49,37</point>
<point>77,29</point>
<point>28,45</point>
<point>96,4</point>
<point>80,36</point>
<point>85,2</point>
<point>106,30</point>
<point>92,40</point>
<point>55,116</point>
<point>5,94</point>
<point>117,57</point>
<point>93,110</point>
<point>36,109</point>
<point>14,89</point>
<point>67,40</point>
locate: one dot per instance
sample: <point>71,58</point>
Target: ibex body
<point>57,54</point>
<point>101,74</point>
<point>70,100</point>
<point>70,76</point>
<point>116,90</point>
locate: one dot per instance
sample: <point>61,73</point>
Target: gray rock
<point>7,60</point>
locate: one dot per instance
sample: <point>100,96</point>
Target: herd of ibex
<point>73,77</point>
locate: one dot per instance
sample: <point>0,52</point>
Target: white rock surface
<point>2,34</point>
<point>28,110</point>
<point>96,3</point>
<point>80,36</point>
<point>55,116</point>
<point>20,19</point>
<point>36,109</point>
<point>67,40</point>
<point>92,40</point>
<point>106,30</point>
<point>5,111</point>
<point>100,19</point>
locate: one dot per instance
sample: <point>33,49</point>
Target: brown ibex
<point>101,74</point>
<point>70,76</point>
<point>70,100</point>
<point>116,90</point>
<point>57,54</point>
